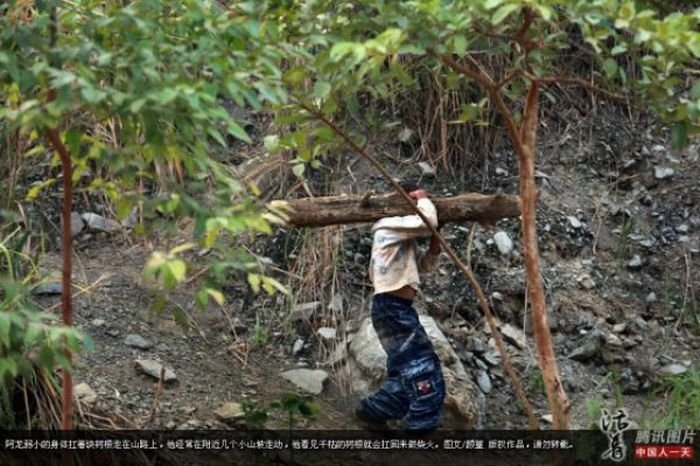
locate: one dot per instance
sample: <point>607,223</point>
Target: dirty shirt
<point>395,259</point>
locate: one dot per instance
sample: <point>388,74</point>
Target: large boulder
<point>464,403</point>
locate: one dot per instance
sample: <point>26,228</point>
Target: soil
<point>600,171</point>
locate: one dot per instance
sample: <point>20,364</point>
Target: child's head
<point>409,185</point>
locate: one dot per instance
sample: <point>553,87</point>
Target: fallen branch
<point>323,211</point>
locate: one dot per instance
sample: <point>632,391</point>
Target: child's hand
<point>418,194</point>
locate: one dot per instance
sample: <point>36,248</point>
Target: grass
<point>535,382</point>
<point>594,405</point>
<point>623,246</point>
<point>682,401</point>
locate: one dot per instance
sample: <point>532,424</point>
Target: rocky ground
<point>619,223</point>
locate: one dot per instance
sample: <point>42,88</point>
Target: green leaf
<point>201,298</point>
<point>695,90</point>
<point>503,12</point>
<point>217,295</point>
<point>179,269</point>
<point>254,281</point>
<point>298,169</point>
<point>93,95</point>
<point>546,12</point>
<point>9,365</point>
<point>166,96</point>
<point>181,317</point>
<point>88,342</point>
<point>216,135</point>
<point>34,191</point>
<point>235,130</point>
<point>4,327</point>
<point>610,67</point>
<point>137,105</point>
<point>679,135</point>
<point>46,356</point>
<point>342,49</point>
<point>491,4</point>
<point>271,142</point>
<point>618,49</point>
<point>460,44</point>
<point>321,89</point>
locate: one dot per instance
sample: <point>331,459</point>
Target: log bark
<point>324,211</point>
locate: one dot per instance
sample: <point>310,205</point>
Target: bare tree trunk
<point>66,278</point>
<point>556,396</point>
<point>334,210</point>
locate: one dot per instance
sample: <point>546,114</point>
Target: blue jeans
<point>415,386</point>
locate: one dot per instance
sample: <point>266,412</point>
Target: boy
<point>415,387</point>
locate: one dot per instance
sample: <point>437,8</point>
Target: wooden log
<point>324,211</point>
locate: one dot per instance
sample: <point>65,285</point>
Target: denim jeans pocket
<point>422,380</point>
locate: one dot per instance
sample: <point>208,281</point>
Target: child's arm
<point>428,260</point>
<point>396,229</point>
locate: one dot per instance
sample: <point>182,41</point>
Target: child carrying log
<point>415,388</point>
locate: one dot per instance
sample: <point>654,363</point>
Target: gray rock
<point>76,224</point>
<point>574,222</point>
<point>585,281</point>
<point>484,381</point>
<point>464,402</point>
<point>327,333</point>
<point>137,341</point>
<point>83,393</point>
<point>503,242</point>
<point>673,369</point>
<point>45,289</point>
<point>188,409</point>
<point>298,346</point>
<point>661,173</point>
<point>548,418</point>
<point>496,296</point>
<point>113,332</point>
<point>406,135</point>
<point>426,169</point>
<point>304,311</point>
<point>628,343</point>
<point>98,322</point>
<point>619,328</point>
<point>613,340</point>
<point>480,364</point>
<point>230,412</point>
<point>514,336</point>
<point>682,228</point>
<point>492,358</point>
<point>651,297</point>
<point>152,368</point>
<point>310,380</point>
<point>635,263</point>
<point>475,345</point>
<point>99,223</point>
<point>588,350</point>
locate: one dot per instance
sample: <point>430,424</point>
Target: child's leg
<point>389,402</point>
<point>412,359</point>
<point>415,385</point>
<point>425,387</point>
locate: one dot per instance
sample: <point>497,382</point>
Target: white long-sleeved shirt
<point>394,263</point>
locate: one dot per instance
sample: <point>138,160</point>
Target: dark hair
<point>409,185</point>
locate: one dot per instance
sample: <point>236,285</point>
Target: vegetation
<point>122,93</point>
